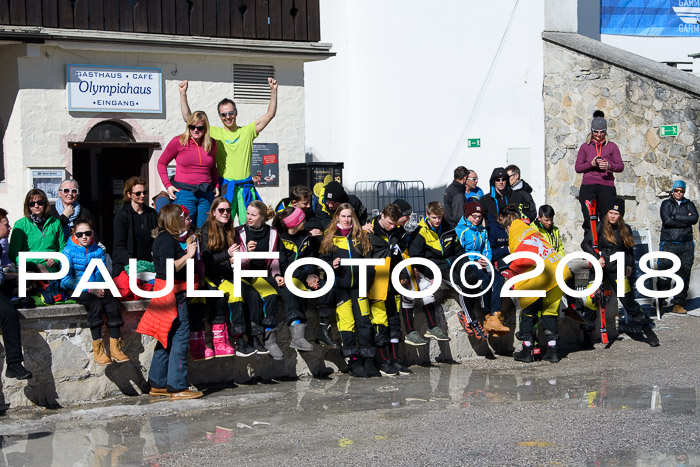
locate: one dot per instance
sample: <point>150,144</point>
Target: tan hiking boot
<point>115,350</point>
<point>680,309</point>
<point>494,324</point>
<point>98,352</point>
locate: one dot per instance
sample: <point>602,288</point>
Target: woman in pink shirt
<point>196,180</point>
<point>598,158</point>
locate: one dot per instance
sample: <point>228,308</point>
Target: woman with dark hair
<point>345,238</point>
<point>133,224</point>
<point>615,236</point>
<point>296,243</point>
<point>82,247</point>
<point>37,231</point>
<point>256,235</point>
<point>219,244</point>
<point>196,180</point>
<point>167,318</point>
<point>598,159</point>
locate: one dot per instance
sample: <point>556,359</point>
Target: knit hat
<point>294,219</point>
<point>679,184</point>
<point>599,123</point>
<point>405,208</point>
<point>185,211</point>
<point>618,204</point>
<point>335,192</point>
<point>472,207</point>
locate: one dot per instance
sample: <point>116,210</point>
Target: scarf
<point>76,212</point>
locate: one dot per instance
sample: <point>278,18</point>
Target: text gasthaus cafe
<point>100,106</point>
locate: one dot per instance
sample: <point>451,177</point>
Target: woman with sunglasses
<point>80,250</point>
<point>219,243</point>
<point>67,207</point>
<point>196,180</point>
<point>598,159</point>
<point>133,224</point>
<point>37,231</point>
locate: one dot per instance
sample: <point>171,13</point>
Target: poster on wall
<point>47,180</point>
<point>114,89</point>
<point>680,18</point>
<point>264,166</point>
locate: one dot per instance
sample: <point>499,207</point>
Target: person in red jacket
<point>167,318</point>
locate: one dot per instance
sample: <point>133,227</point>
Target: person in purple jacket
<point>598,159</point>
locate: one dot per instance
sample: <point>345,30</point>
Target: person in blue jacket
<point>80,249</point>
<point>474,239</point>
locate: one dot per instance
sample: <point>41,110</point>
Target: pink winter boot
<point>221,345</point>
<point>198,348</point>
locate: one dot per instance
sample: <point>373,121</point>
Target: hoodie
<point>493,201</point>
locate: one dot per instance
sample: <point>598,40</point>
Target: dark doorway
<point>101,173</point>
<point>101,164</point>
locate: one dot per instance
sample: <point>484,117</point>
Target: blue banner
<point>650,17</point>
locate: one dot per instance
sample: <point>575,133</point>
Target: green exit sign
<point>474,143</point>
<point>668,130</point>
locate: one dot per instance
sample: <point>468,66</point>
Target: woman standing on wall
<point>598,159</point>
<point>196,180</point>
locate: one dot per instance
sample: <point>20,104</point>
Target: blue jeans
<point>197,203</point>
<point>169,366</point>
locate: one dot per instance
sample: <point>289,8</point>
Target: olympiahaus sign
<point>114,89</point>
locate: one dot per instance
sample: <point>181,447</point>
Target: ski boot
<point>471,327</point>
<point>524,355</point>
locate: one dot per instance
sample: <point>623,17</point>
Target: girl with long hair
<point>615,236</point>
<point>256,235</point>
<point>345,238</point>
<point>196,180</point>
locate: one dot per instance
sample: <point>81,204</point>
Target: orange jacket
<point>158,318</point>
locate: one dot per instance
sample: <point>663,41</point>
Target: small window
<point>250,82</point>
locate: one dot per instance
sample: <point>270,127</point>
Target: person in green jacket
<point>545,224</point>
<point>37,231</point>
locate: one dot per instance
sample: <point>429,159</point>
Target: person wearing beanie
<point>333,196</point>
<point>598,159</point>
<point>678,216</point>
<point>406,211</point>
<point>615,236</point>
<point>474,239</point>
<point>454,198</point>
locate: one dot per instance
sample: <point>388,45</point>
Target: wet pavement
<point>629,404</point>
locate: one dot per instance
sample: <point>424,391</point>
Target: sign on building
<point>47,180</point>
<point>668,130</point>
<point>264,165</point>
<point>114,89</point>
<point>474,143</point>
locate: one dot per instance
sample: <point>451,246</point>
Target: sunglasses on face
<point>138,193</point>
<point>224,210</point>
<point>598,132</point>
<point>475,179</point>
<point>31,204</point>
<point>70,190</point>
<point>197,127</point>
<point>679,190</point>
<point>501,179</point>
<point>228,114</point>
<point>87,233</point>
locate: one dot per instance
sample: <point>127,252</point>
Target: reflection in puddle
<point>233,416</point>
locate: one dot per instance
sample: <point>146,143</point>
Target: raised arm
<point>262,122</point>
<point>184,106</point>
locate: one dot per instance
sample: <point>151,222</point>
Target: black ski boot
<point>551,354</point>
<point>524,355</point>
<point>357,368</point>
<point>324,336</point>
<point>370,368</point>
<point>652,338</point>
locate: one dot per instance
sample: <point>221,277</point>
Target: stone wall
<point>637,96</point>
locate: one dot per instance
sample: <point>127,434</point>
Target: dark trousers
<point>169,366</point>
<point>95,306</point>
<point>492,298</point>
<point>249,311</point>
<point>9,324</point>
<point>604,196</point>
<point>685,252</point>
<point>294,307</point>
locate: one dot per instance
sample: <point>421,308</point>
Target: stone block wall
<point>582,75</point>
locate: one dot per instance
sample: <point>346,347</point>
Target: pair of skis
<point>599,297</point>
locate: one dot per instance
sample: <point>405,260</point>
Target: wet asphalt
<point>628,404</point>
